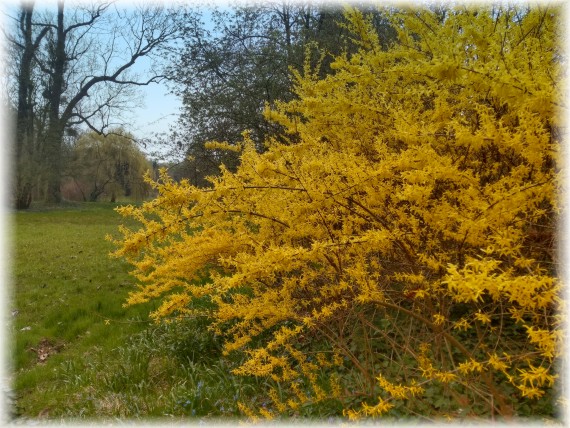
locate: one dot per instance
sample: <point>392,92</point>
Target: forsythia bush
<point>398,256</point>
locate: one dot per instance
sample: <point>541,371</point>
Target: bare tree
<point>85,55</point>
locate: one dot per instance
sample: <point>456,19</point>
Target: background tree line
<point>70,72</point>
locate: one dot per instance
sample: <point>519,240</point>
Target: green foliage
<point>110,165</point>
<point>59,264</point>
<point>394,259</point>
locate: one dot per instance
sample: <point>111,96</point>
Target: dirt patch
<point>45,349</point>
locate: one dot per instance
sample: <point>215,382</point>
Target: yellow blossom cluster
<point>399,391</point>
<point>417,201</point>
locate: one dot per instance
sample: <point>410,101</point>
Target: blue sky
<point>159,110</point>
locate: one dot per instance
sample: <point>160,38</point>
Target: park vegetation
<point>78,356</point>
<point>364,223</point>
<point>392,251</point>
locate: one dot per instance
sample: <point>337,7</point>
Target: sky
<point>159,108</point>
<point>159,111</point>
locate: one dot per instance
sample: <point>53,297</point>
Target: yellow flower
<point>438,319</point>
<point>462,324</point>
<point>495,362</point>
<point>484,318</point>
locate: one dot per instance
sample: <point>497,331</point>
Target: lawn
<point>77,353</point>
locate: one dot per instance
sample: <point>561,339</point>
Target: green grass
<point>107,361</point>
<point>64,289</point>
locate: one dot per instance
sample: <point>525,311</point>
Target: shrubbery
<point>397,258</point>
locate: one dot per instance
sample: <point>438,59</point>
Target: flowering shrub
<point>403,244</point>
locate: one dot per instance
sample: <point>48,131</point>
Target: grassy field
<point>77,353</point>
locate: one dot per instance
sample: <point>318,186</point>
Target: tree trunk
<point>25,165</point>
<point>94,195</point>
<point>23,196</point>
<point>54,137</point>
<point>54,164</point>
<point>56,83</point>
